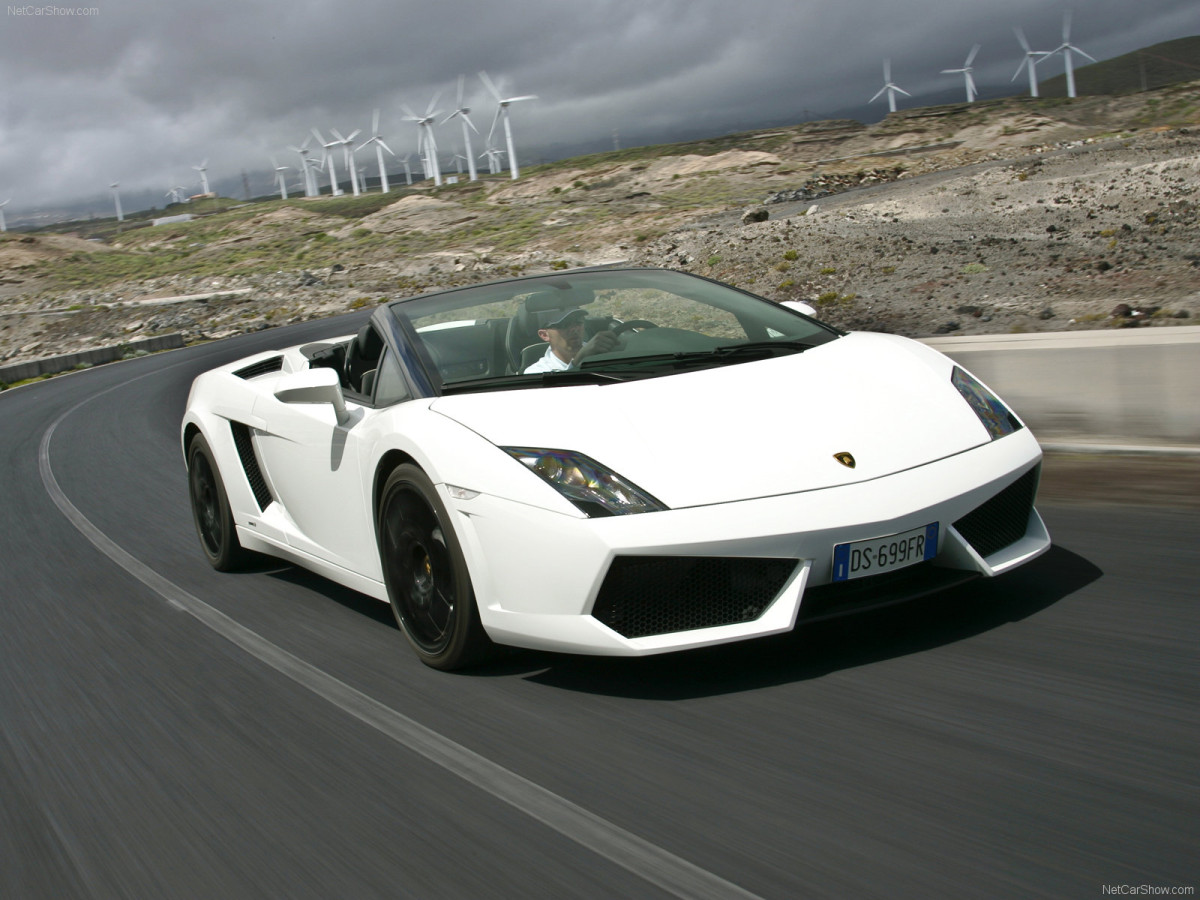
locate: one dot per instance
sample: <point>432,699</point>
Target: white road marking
<point>637,855</point>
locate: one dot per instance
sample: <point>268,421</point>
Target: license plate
<point>884,554</point>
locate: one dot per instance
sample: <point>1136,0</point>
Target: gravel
<point>992,236</point>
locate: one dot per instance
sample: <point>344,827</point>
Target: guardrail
<point>1125,386</point>
<point>52,365</point>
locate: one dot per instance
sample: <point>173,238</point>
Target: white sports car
<point>611,461</point>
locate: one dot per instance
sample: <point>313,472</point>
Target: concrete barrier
<point>52,365</point>
<point>1124,386</point>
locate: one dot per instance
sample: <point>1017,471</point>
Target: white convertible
<point>709,467</point>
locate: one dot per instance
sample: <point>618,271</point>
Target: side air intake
<point>254,475</point>
<point>262,367</point>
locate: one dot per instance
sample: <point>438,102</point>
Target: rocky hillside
<point>1013,215</point>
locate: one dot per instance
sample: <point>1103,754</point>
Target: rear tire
<point>428,584</point>
<point>210,509</point>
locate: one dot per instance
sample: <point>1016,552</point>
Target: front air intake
<point>647,595</point>
<point>1001,521</point>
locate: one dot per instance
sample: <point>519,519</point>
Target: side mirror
<point>316,386</point>
<point>800,306</point>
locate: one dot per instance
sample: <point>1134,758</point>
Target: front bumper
<point>643,584</point>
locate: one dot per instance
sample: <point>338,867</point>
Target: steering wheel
<point>631,324</point>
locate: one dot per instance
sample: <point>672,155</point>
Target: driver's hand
<point>603,342</point>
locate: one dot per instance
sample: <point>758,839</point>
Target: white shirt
<point>548,363</point>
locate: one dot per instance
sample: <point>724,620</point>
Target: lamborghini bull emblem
<point>846,459</point>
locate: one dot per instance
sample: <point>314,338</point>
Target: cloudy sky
<point>140,91</point>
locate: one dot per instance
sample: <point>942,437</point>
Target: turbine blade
<point>490,85</point>
<point>1021,39</point>
<point>971,55</point>
<point>375,122</point>
<point>1066,27</point>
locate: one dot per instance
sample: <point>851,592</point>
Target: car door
<point>314,463</point>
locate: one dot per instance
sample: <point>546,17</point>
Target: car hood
<point>752,429</point>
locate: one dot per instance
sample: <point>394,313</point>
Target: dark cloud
<point>142,91</point>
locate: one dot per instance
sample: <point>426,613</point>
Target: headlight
<point>590,486</point>
<point>992,412</point>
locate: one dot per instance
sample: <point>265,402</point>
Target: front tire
<point>210,509</point>
<point>426,575</point>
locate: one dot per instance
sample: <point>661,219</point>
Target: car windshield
<point>487,337</point>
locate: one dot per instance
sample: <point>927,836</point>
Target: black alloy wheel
<point>210,509</point>
<point>426,575</point>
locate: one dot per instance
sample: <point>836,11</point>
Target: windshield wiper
<point>760,348</point>
<point>731,353</point>
<point>562,378</point>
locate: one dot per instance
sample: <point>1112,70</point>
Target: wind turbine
<point>310,182</point>
<point>1066,48</point>
<point>493,157</point>
<point>407,168</point>
<point>966,73</point>
<point>1029,62</point>
<point>117,200</point>
<point>502,113</point>
<point>377,139</point>
<point>281,178</point>
<point>462,111</point>
<point>176,194</point>
<point>203,170</point>
<point>425,123</point>
<point>3,224</point>
<point>334,190</point>
<point>314,166</point>
<point>890,89</point>
<point>348,156</point>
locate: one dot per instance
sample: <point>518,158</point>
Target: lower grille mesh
<point>1002,520</point>
<point>646,595</point>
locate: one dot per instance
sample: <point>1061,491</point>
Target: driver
<point>563,331</point>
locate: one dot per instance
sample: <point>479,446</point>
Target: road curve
<point>169,731</point>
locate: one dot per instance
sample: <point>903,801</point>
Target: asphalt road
<point>167,731</point>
